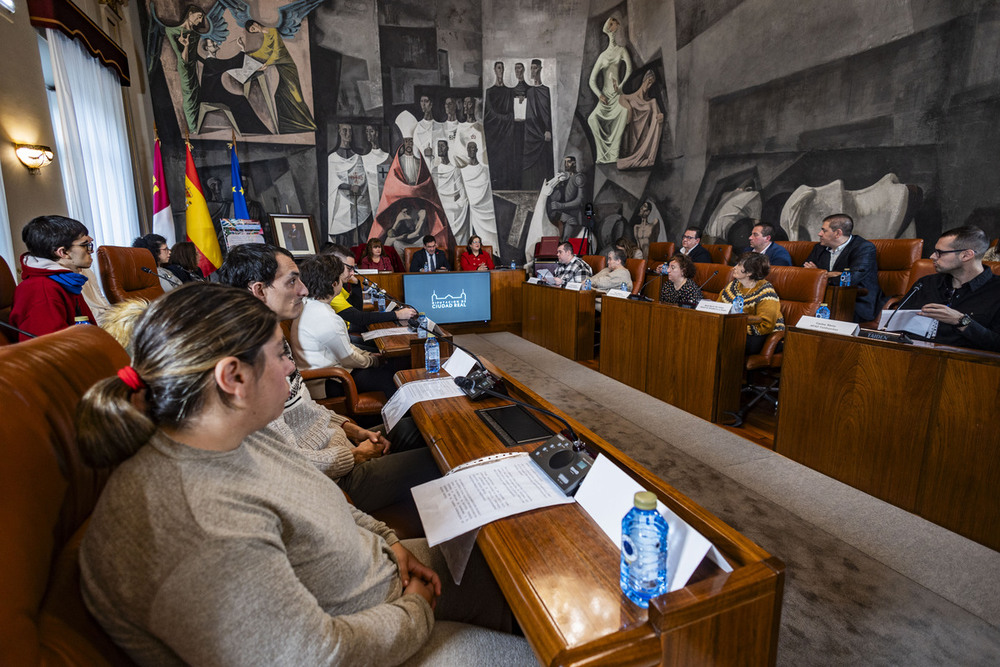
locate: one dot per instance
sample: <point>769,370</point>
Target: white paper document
<point>382,333</point>
<point>607,495</point>
<point>459,364</point>
<point>618,293</point>
<point>910,321</point>
<point>412,393</point>
<point>473,497</point>
<point>721,307</point>
<point>243,74</point>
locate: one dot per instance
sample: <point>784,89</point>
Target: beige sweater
<point>243,557</point>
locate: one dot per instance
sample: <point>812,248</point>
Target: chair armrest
<point>336,373</point>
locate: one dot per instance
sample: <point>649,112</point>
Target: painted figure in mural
<point>537,161</point>
<point>409,201</point>
<point>565,204</point>
<point>743,202</point>
<point>644,125</point>
<point>608,120</point>
<point>645,231</point>
<point>470,129</point>
<point>376,163</point>
<point>215,94</point>
<point>450,124</point>
<point>499,129</point>
<point>348,199</point>
<point>482,217</point>
<point>292,111</point>
<point>426,131</point>
<point>183,40</point>
<point>520,91</point>
<point>451,191</point>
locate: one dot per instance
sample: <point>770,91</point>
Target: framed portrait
<point>295,233</point>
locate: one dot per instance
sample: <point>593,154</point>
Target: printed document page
<point>412,393</point>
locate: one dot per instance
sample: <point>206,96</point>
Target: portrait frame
<point>295,233</point>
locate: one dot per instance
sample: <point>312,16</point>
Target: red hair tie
<point>130,377</point>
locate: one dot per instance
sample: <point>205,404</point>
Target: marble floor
<point>866,583</point>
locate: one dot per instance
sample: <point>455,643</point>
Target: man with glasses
<point>49,297</point>
<point>691,246</point>
<point>963,296</point>
<point>840,248</point>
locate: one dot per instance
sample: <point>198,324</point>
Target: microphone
<point>479,381</point>
<point>20,331</point>
<point>639,296</point>
<point>170,279</point>
<point>913,290</point>
<point>702,286</point>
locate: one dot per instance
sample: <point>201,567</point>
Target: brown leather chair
<point>660,251</point>
<point>721,253</point>
<point>7,286</point>
<point>993,266</point>
<point>920,268</point>
<point>408,254</point>
<point>895,257</point>
<point>488,249</point>
<point>595,262</point>
<point>799,250</point>
<point>800,291</point>
<point>636,267</point>
<point>46,496</point>
<point>122,274</point>
<point>354,404</point>
<point>713,284</point>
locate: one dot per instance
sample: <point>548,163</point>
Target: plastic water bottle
<point>845,278</point>
<point>624,287</point>
<point>432,355</point>
<point>426,269</point>
<point>738,304</point>
<point>381,302</point>
<point>586,285</point>
<point>644,551</point>
<point>823,312</point>
<point>422,329</point>
<point>513,265</point>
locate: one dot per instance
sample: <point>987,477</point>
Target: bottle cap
<point>645,500</point>
<point>821,305</point>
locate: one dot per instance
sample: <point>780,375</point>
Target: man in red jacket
<point>49,296</point>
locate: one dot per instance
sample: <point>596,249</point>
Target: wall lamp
<point>34,157</point>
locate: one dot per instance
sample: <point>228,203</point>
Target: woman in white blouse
<point>320,337</point>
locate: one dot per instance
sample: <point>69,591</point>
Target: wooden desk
<point>559,572</point>
<point>914,425</point>
<point>690,359</point>
<point>840,301</point>
<point>559,319</point>
<point>505,300</point>
<point>409,344</point>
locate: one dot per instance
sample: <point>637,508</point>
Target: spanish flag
<point>200,230</point>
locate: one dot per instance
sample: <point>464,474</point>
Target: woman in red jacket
<point>474,259</point>
<point>373,257</point>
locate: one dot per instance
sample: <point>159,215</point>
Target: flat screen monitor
<point>447,297</point>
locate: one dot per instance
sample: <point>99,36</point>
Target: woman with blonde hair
<point>216,542</point>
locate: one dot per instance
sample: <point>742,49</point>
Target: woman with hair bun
<point>216,542</point>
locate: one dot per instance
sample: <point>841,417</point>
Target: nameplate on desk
<point>574,287</point>
<point>720,307</point>
<point>533,281</point>
<point>618,293</point>
<point>366,272</point>
<point>828,326</point>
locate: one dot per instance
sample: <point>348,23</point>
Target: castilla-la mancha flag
<point>163,217</point>
<point>200,230</point>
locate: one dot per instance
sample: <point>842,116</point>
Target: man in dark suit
<point>760,241</point>
<point>430,257</point>
<point>691,246</point>
<point>838,249</point>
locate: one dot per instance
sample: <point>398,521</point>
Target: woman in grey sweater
<point>214,542</point>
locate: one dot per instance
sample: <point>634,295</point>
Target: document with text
<point>412,393</point>
<point>474,496</point>
<point>382,333</point>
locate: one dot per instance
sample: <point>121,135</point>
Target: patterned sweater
<point>761,300</point>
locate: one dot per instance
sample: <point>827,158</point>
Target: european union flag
<point>239,198</point>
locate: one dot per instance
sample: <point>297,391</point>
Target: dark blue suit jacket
<point>776,255</point>
<point>420,258</point>
<point>700,254</point>
<point>859,257</point>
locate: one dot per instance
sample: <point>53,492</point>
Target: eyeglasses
<point>689,238</point>
<point>945,252</point>
<point>89,245</point>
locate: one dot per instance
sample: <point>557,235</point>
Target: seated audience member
<point>373,257</point>
<point>570,269</point>
<point>214,542</point>
<point>760,301</point>
<point>320,338</point>
<point>184,262</point>
<point>157,246</point>
<point>629,248</point>
<point>760,241</point>
<point>838,249</point>
<point>678,287</point>
<point>354,457</point>
<point>691,246</point>
<point>963,296</point>
<point>614,274</point>
<point>49,296</point>
<point>474,259</point>
<point>429,258</point>
<point>349,301</point>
